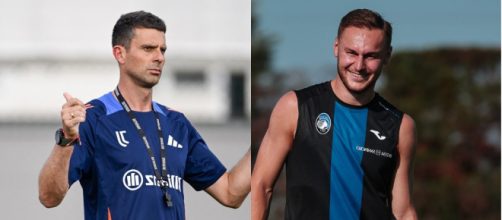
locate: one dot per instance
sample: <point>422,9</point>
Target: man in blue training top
<point>129,153</point>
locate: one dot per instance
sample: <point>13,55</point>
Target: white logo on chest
<point>132,180</point>
<point>377,134</point>
<point>173,143</point>
<point>121,139</point>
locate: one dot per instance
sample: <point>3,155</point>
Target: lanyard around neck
<point>162,179</point>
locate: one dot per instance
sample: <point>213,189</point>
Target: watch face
<point>59,136</point>
<point>62,141</point>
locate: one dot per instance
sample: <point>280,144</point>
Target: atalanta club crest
<point>323,123</point>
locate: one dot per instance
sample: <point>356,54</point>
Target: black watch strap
<point>61,140</point>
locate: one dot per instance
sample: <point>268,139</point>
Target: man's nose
<point>159,56</point>
<point>360,64</point>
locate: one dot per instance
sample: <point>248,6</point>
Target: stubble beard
<point>143,81</point>
<point>369,87</point>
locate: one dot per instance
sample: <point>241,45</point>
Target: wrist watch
<point>62,141</point>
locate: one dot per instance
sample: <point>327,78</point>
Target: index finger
<point>67,96</point>
<point>71,100</point>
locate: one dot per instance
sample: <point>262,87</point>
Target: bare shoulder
<point>285,113</point>
<point>287,102</point>
<point>407,135</point>
<point>407,124</point>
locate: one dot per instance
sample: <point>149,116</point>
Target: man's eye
<point>373,56</point>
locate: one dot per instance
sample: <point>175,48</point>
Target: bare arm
<point>273,150</point>
<point>53,178</point>
<point>232,187</point>
<point>402,204</point>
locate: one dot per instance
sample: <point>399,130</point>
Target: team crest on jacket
<point>323,123</point>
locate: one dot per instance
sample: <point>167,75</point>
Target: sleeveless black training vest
<point>343,160</point>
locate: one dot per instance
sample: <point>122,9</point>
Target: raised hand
<point>72,114</point>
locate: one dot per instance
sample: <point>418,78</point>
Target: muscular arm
<point>402,204</point>
<point>232,187</point>
<point>273,150</point>
<point>53,178</point>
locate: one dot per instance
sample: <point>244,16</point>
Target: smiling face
<point>361,55</point>
<point>143,61</point>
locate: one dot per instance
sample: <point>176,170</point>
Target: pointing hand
<point>72,114</point>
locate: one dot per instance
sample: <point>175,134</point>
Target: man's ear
<point>119,52</point>
<point>388,54</point>
<point>335,47</point>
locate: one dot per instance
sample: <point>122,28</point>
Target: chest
<point>364,138</point>
<point>120,147</point>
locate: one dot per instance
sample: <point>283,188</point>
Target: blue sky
<point>305,30</point>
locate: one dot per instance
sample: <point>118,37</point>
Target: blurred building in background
<point>51,47</point>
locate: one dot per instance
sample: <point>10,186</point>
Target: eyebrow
<point>350,50</point>
<point>149,46</point>
<point>371,53</point>
<point>152,46</point>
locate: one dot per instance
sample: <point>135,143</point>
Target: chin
<point>360,88</point>
<point>151,82</point>
<point>148,85</point>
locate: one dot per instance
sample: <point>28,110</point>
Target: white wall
<point>49,47</point>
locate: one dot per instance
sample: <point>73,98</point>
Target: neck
<point>351,98</point>
<point>138,98</point>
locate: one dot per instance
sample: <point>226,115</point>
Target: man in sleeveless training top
<point>348,152</point>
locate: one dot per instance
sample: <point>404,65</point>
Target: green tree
<point>261,57</point>
<point>454,96</point>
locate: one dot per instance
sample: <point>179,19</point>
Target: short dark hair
<point>365,18</point>
<point>123,31</point>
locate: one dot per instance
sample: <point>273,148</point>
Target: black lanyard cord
<point>162,179</point>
